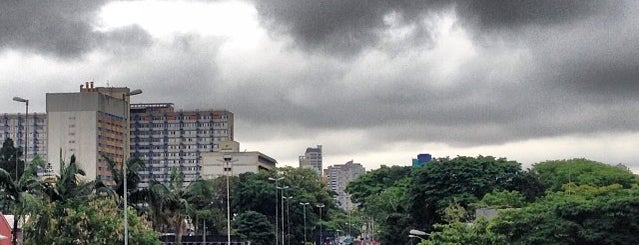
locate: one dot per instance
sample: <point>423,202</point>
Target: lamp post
<point>304,204</point>
<point>125,139</point>
<point>277,205</point>
<point>283,188</point>
<point>288,218</point>
<point>228,170</point>
<point>26,131</point>
<point>320,206</point>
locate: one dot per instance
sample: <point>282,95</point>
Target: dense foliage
<point>574,201</point>
<point>463,180</point>
<point>586,215</point>
<point>554,174</point>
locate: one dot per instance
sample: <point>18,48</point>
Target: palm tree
<point>22,192</point>
<point>169,204</point>
<point>70,184</point>
<point>133,178</point>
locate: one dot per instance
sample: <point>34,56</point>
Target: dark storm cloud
<point>335,26</point>
<point>347,27</point>
<point>59,28</point>
<point>541,69</point>
<point>180,71</point>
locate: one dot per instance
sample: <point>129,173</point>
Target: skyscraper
<point>164,138</point>
<point>312,159</point>
<point>91,125</point>
<point>338,176</point>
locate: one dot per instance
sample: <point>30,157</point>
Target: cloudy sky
<point>376,81</point>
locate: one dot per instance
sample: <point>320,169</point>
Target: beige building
<point>337,178</point>
<point>213,163</point>
<point>89,124</point>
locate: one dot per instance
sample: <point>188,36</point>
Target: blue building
<point>422,159</point>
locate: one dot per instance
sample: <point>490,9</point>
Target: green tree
<point>22,192</point>
<point>303,186</point>
<point>554,174</point>
<point>585,215</point>
<point>8,154</point>
<point>376,181</point>
<point>477,233</point>
<point>96,221</point>
<point>502,199</point>
<point>170,204</point>
<point>462,179</point>
<point>71,183</point>
<point>255,227</point>
<point>134,165</point>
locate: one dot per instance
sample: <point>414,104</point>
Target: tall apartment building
<point>338,176</point>
<point>164,138</point>
<point>312,159</point>
<point>89,124</point>
<point>13,126</point>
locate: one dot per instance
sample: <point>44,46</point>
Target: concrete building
<point>213,164</point>
<point>165,138</point>
<point>337,178</point>
<point>312,159</point>
<point>13,126</point>
<point>89,124</point>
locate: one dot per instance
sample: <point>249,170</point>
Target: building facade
<point>13,126</point>
<point>165,138</point>
<point>92,125</point>
<point>213,164</point>
<point>337,178</point>
<point>312,159</point>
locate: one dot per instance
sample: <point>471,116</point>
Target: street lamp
<point>283,188</point>
<point>320,206</point>
<point>417,234</point>
<point>228,170</point>
<point>304,204</point>
<point>26,131</point>
<point>125,139</point>
<point>288,218</point>
<point>277,205</point>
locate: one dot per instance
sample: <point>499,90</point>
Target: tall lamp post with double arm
<point>228,159</point>
<point>125,139</point>
<point>304,204</point>
<point>277,205</point>
<point>26,131</point>
<point>320,206</point>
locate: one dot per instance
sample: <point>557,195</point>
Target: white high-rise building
<point>337,178</point>
<point>13,126</point>
<point>90,124</point>
<point>165,138</point>
<point>312,159</point>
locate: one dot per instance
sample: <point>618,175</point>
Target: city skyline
<point>377,82</point>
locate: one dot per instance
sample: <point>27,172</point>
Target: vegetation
<point>574,201</point>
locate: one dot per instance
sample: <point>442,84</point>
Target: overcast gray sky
<point>376,81</point>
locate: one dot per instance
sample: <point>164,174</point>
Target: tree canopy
<point>554,174</point>
<point>462,180</point>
